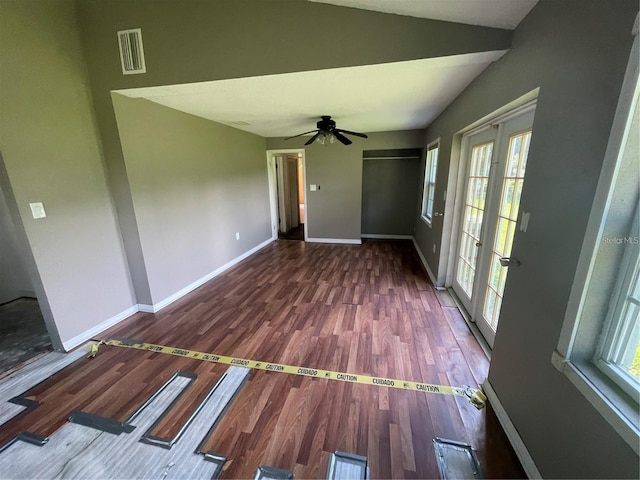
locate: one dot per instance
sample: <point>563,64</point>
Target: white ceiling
<point>372,98</point>
<point>489,13</point>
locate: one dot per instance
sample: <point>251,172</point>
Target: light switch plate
<point>37,210</point>
<point>312,188</point>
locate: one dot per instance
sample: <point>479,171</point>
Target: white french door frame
<point>497,123</point>
<point>273,189</point>
<point>509,128</point>
<point>485,135</point>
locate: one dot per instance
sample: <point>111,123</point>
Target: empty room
<point>319,239</point>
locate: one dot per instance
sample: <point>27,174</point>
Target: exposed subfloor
<point>23,334</point>
<point>366,309</point>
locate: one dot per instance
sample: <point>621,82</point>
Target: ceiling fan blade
<point>299,135</point>
<point>341,138</point>
<point>351,133</point>
<point>312,139</point>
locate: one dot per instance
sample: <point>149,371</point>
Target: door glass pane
<point>476,194</point>
<point>507,218</point>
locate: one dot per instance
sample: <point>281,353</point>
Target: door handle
<point>510,262</point>
<point>438,214</point>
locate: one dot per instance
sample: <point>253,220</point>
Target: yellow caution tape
<point>93,350</point>
<point>475,396</point>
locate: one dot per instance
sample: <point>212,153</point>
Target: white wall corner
<point>512,433</point>
<point>432,277</point>
<point>101,327</point>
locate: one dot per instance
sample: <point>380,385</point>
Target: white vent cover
<point>131,51</point>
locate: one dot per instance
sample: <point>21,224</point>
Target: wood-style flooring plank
<point>366,309</point>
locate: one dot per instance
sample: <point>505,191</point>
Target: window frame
<point>429,182</point>
<point>616,323</point>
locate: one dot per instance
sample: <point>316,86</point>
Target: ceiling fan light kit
<point>326,133</point>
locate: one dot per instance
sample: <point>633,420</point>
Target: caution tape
<point>475,396</point>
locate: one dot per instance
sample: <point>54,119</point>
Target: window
<point>599,347</point>
<point>618,355</point>
<point>430,170</point>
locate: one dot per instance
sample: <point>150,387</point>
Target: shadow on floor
<point>23,334</point>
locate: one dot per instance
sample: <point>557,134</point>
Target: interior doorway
<point>287,194</point>
<point>493,167</point>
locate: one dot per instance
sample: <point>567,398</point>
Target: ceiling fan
<point>327,132</point>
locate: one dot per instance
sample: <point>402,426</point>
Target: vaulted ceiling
<point>371,98</point>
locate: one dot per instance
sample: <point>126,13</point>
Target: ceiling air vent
<point>131,51</point>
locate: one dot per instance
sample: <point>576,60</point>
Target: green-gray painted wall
<point>576,52</point>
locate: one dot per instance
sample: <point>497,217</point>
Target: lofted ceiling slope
<point>389,96</point>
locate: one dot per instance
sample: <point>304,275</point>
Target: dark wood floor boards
<point>366,309</point>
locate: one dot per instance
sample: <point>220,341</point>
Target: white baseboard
<point>86,335</point>
<point>432,277</point>
<point>512,433</point>
<point>156,307</point>
<point>101,327</point>
<point>350,241</point>
<point>386,237</point>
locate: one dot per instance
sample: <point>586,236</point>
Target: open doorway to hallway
<point>287,194</point>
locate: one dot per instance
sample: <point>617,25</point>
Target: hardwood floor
<point>366,309</point>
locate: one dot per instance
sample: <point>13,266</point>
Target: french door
<point>495,165</point>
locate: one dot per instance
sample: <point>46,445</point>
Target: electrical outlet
<point>237,235</point>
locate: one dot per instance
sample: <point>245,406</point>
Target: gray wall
<point>195,40</point>
<point>14,276</point>
<point>390,189</point>
<point>51,152</point>
<point>335,210</point>
<point>194,184</point>
<point>576,52</point>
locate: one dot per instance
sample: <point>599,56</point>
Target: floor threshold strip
<point>475,396</point>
